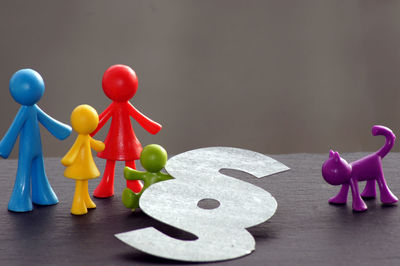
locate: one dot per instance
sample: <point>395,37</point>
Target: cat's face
<point>335,170</point>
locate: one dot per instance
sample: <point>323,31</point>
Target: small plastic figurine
<point>153,158</point>
<point>336,171</point>
<point>79,160</point>
<point>120,84</point>
<point>27,87</point>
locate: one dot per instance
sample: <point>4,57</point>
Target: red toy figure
<point>120,84</point>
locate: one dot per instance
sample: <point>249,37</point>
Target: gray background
<point>271,76</point>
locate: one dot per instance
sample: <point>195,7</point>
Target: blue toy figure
<point>27,87</point>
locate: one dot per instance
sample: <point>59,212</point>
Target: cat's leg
<point>387,197</point>
<point>358,204</point>
<point>341,197</point>
<point>369,190</point>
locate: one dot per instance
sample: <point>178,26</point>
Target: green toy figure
<point>153,158</point>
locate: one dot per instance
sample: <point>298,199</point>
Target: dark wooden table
<point>305,230</point>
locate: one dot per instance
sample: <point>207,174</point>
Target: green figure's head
<point>153,158</point>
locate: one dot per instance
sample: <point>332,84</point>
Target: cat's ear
<point>336,156</point>
<point>331,153</point>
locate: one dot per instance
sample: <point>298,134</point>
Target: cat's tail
<point>390,138</point>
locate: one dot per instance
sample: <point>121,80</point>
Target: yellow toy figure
<point>79,160</point>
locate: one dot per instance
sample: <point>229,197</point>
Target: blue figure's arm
<point>8,141</point>
<point>56,128</point>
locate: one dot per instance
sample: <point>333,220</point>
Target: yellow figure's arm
<point>97,145</point>
<point>70,157</point>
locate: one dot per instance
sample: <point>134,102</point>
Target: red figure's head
<point>120,83</point>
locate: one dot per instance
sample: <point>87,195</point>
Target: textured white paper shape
<point>221,231</point>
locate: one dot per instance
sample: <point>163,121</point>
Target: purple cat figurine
<point>336,171</point>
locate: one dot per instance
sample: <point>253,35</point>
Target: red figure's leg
<point>134,185</point>
<point>106,187</point>
<point>358,204</point>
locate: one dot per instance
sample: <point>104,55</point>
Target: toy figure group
<point>32,186</point>
<point>120,85</point>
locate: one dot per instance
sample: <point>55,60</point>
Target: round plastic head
<point>120,83</point>
<point>336,170</point>
<point>84,119</point>
<point>26,87</point>
<point>153,158</point>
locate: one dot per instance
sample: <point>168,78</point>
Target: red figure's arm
<point>148,124</point>
<point>103,118</point>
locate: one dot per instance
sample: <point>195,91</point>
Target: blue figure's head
<point>26,87</point>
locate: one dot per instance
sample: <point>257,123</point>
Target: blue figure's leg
<point>20,200</point>
<point>42,193</point>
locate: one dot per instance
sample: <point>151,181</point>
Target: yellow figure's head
<point>84,119</point>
